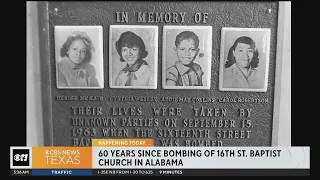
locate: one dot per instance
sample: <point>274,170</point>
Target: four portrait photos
<point>186,57</point>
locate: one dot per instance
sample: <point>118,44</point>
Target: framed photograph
<point>79,57</point>
<point>244,59</point>
<point>133,56</point>
<point>186,57</point>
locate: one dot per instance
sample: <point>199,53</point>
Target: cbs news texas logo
<point>20,157</point>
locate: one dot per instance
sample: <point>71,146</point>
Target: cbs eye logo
<point>20,157</point>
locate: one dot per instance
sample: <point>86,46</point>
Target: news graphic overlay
<point>20,157</point>
<point>20,161</point>
<point>127,157</point>
<point>177,158</point>
<point>58,161</point>
<point>61,157</point>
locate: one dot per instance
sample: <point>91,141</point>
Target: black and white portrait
<point>244,59</point>
<point>79,57</point>
<point>186,57</point>
<point>133,56</point>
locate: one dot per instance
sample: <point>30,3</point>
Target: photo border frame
<point>222,58</point>
<point>208,50</point>
<point>155,68</point>
<point>100,55</point>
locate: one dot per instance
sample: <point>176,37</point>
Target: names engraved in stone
<point>188,99</point>
<point>242,100</point>
<point>91,98</point>
<point>79,98</point>
<point>134,98</point>
<point>67,98</point>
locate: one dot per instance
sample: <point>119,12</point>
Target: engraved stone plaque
<point>157,71</point>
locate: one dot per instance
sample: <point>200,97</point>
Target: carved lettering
<point>141,17</point>
<point>203,143</point>
<point>188,133</point>
<point>230,134</point>
<point>198,17</point>
<point>93,121</point>
<point>113,132</point>
<point>122,17</point>
<point>86,110</point>
<point>151,17</point>
<point>167,17</point>
<point>159,17</point>
<point>209,112</point>
<point>67,98</point>
<point>174,17</point>
<point>245,112</point>
<point>126,111</point>
<point>169,142</point>
<point>182,16</point>
<point>167,111</point>
<point>170,122</point>
<point>139,122</point>
<point>81,142</point>
<point>139,132</point>
<point>209,123</point>
<point>91,98</point>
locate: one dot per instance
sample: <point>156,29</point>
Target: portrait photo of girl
<point>79,57</point>
<point>244,59</point>
<point>133,56</point>
<point>186,57</point>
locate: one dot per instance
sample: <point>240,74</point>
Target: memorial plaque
<point>159,70</point>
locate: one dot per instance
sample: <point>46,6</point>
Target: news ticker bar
<point>141,154</point>
<point>159,157</point>
<point>160,172</point>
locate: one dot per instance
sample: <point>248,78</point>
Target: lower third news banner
<point>110,157</point>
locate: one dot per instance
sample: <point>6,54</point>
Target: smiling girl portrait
<point>134,63</point>
<point>244,59</point>
<point>74,67</point>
